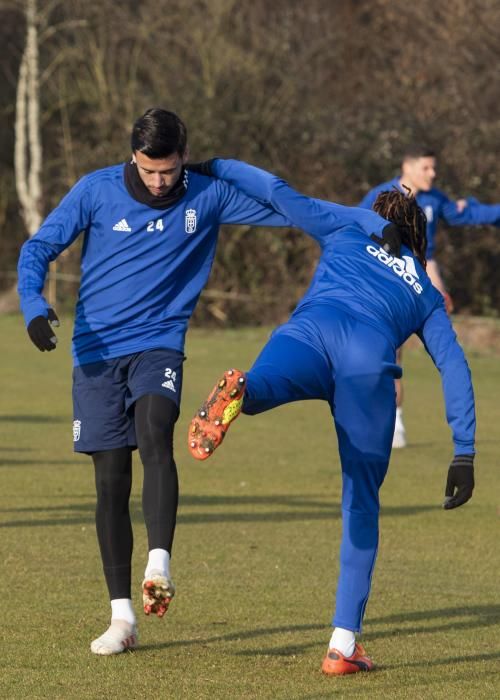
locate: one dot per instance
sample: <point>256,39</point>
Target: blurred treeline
<point>325,92</point>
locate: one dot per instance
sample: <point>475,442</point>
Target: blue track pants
<point>324,353</point>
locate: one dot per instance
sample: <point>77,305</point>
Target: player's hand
<point>448,303</point>
<point>461,204</point>
<point>41,333</point>
<point>204,167</point>
<point>460,482</point>
<point>390,240</point>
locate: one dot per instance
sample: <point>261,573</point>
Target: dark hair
<point>159,134</point>
<point>418,150</point>
<point>402,209</point>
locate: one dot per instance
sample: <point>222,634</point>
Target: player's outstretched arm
<point>315,216</point>
<point>389,238</point>
<point>441,343</point>
<point>57,232</point>
<point>471,212</point>
<point>236,207</point>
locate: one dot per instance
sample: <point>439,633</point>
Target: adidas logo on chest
<point>122,225</point>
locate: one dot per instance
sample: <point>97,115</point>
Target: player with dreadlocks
<point>403,210</point>
<point>340,345</point>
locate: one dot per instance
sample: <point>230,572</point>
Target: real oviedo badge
<point>190,221</point>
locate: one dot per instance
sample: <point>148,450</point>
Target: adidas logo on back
<point>403,267</point>
<point>122,226</point>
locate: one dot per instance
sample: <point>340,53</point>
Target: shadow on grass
<point>82,507</point>
<point>238,637</point>
<point>66,515</point>
<point>7,462</point>
<point>6,448</point>
<point>28,418</point>
<point>194,500</point>
<point>491,611</point>
<point>470,617</point>
<point>330,505</point>
<point>443,661</point>
<point>477,616</point>
<point>299,509</point>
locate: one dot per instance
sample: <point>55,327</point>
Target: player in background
<point>418,172</point>
<point>340,346</point>
<point>150,231</point>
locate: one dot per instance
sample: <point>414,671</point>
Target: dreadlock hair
<point>402,209</point>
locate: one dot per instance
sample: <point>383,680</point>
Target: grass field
<point>255,559</point>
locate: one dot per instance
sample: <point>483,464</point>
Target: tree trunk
<point>28,144</point>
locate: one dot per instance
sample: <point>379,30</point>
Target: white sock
<point>159,561</point>
<point>121,609</point>
<point>343,640</point>
<point>399,417</point>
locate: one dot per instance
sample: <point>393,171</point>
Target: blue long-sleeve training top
<point>437,205</point>
<point>394,295</point>
<point>142,269</point>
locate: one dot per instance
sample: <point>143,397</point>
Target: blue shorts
<point>104,396</point>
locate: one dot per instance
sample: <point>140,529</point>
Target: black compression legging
<point>155,417</point>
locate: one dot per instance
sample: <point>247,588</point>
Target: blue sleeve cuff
<point>33,308</point>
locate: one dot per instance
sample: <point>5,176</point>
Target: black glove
<point>203,168</point>
<point>390,240</point>
<point>41,333</point>
<point>461,478</point>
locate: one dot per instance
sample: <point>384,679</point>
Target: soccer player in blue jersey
<point>340,346</point>
<point>149,236</point>
<point>418,172</point>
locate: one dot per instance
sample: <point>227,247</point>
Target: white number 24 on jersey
<point>158,225</point>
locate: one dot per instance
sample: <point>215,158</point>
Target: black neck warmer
<point>138,190</point>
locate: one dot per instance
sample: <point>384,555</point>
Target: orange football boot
<point>336,664</point>
<point>211,423</point>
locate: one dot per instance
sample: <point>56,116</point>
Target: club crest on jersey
<point>429,213</point>
<point>77,425</point>
<point>403,267</point>
<point>190,221</point>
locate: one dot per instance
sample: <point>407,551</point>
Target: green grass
<point>255,558</point>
